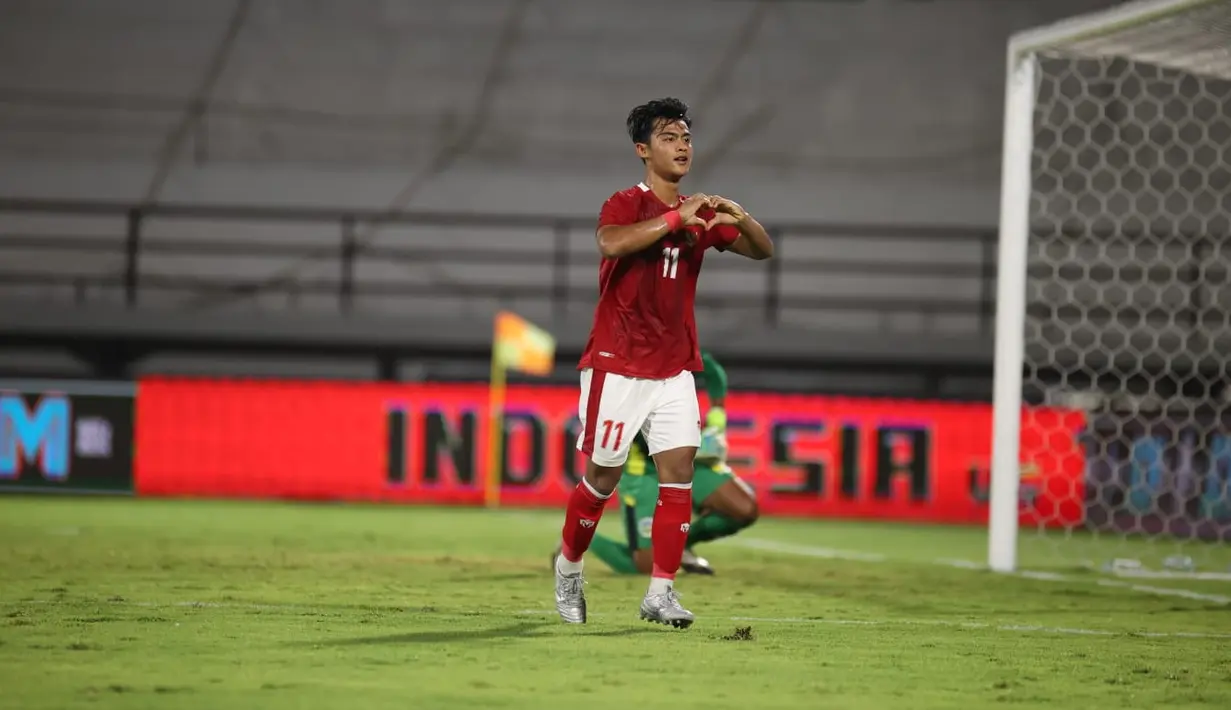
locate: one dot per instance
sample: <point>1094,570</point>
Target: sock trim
<point>566,566</point>
<point>679,486</point>
<point>660,585</point>
<point>594,491</point>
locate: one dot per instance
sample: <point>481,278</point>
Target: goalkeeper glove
<point>716,418</point>
<point>713,450</point>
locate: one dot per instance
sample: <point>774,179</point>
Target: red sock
<point>581,521</point>
<point>669,534</point>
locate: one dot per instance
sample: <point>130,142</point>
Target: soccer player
<point>636,370</point>
<point>722,503</point>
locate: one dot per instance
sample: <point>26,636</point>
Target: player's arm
<point>716,388</point>
<point>616,240</point>
<point>753,241</point>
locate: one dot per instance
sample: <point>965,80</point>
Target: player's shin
<point>669,533</point>
<point>585,508</point>
<point>616,555</point>
<point>713,526</point>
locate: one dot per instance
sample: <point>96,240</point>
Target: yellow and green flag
<point>522,346</point>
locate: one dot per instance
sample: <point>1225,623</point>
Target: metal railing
<point>133,277</point>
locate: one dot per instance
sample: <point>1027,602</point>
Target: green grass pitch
<point>110,603</point>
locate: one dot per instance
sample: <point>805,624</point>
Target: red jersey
<point>645,325</point>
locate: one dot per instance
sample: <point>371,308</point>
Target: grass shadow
<point>631,631</point>
<point>525,629</point>
<point>518,630</point>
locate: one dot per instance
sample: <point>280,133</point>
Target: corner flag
<point>518,345</point>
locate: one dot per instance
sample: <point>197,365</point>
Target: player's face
<point>669,152</point>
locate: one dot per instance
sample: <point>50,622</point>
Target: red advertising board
<point>427,443</point>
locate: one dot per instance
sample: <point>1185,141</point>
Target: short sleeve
<point>619,209</point>
<point>721,237</point>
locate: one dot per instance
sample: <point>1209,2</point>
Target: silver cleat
<point>666,609</point>
<point>570,597</point>
<point>693,564</point>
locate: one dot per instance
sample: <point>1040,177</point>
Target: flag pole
<point>495,430</point>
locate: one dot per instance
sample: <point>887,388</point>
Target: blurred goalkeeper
<point>723,504</point>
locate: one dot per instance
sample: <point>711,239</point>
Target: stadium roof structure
<point>423,86</point>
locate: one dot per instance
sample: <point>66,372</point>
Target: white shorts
<point>613,408</point>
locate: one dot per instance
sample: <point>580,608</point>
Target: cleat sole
<point>567,620</point>
<point>676,623</point>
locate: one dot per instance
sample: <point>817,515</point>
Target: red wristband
<point>674,221</point>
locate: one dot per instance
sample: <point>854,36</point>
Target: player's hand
<point>713,448</point>
<point>731,207</point>
<point>726,212</point>
<point>688,210</point>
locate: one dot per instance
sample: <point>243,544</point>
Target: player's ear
<point>643,150</point>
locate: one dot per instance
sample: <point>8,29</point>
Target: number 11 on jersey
<point>671,261</point>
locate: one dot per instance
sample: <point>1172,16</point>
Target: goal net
<point>1112,442</point>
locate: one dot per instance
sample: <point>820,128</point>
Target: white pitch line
<point>960,564</point>
<point>830,553</point>
<point>1173,574</point>
<point>1041,576</point>
<point>1167,591</point>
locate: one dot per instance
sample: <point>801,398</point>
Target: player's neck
<point>666,190</point>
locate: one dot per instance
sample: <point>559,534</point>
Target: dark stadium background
<point>250,256</point>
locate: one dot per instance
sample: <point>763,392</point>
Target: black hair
<point>643,119</point>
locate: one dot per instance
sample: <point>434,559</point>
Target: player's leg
<point>639,524</point>
<point>725,506</point>
<point>615,554</point>
<point>672,514</point>
<point>585,509</point>
<point>631,556</point>
<point>611,409</point>
<point>673,432</point>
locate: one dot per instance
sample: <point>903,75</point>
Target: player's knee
<point>676,465</point>
<point>751,513</point>
<point>676,473</point>
<point>745,510</point>
<point>603,478</point>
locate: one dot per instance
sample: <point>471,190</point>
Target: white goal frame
<point>1015,194</point>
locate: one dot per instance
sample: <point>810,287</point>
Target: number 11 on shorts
<point>608,425</point>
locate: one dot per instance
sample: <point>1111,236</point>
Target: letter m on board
<point>37,435</point>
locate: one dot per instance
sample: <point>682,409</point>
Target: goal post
<point>1112,292</point>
